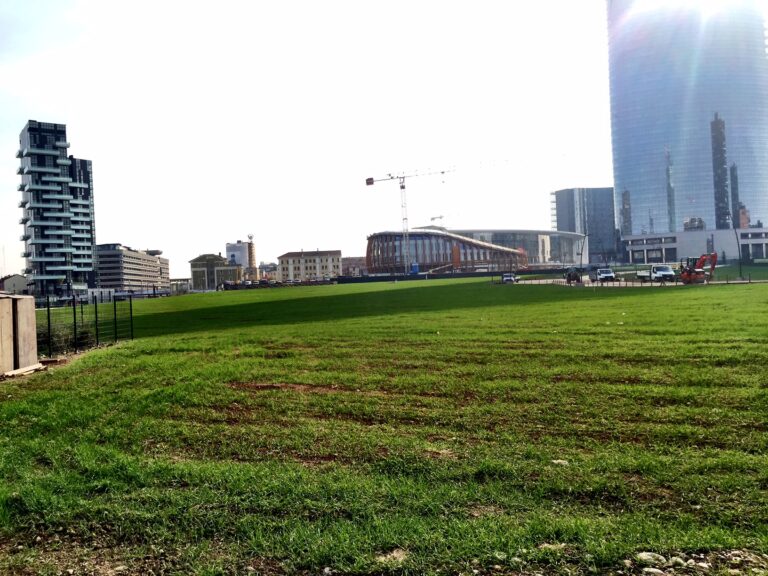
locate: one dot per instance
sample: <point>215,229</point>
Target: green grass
<point>396,428</point>
<point>733,272</point>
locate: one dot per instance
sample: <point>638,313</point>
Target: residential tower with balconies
<point>57,212</point>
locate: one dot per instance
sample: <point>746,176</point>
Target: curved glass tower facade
<point>689,115</point>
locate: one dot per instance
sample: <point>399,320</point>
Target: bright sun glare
<point>708,8</point>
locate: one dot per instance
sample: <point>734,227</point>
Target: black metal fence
<point>78,323</point>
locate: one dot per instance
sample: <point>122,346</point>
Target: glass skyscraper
<point>587,211</point>
<point>689,115</point>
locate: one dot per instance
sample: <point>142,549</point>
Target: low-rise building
<point>210,272</point>
<point>268,270</point>
<point>124,269</point>
<point>309,266</point>
<point>14,284</point>
<point>180,286</point>
<point>354,266</point>
<point>747,244</point>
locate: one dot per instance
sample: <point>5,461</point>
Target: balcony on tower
<point>58,214</point>
<point>47,223</point>
<point>41,169</point>
<point>43,151</point>
<point>51,187</point>
<point>23,203</point>
<point>60,268</point>
<point>41,277</point>
<point>62,144</point>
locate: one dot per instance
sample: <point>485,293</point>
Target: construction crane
<point>404,207</point>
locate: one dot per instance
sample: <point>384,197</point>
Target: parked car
<point>509,278</point>
<point>602,275</point>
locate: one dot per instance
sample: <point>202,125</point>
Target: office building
<point>590,212</point>
<point>124,269</point>
<point>689,115</point>
<point>57,212</point>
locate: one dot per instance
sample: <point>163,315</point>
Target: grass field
<point>408,428</point>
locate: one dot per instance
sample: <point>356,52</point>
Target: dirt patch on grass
<point>318,461</point>
<point>58,556</point>
<point>445,453</point>
<point>483,510</point>
<point>601,379</point>
<point>646,491</point>
<point>461,395</point>
<point>65,555</point>
<point>302,388</point>
<point>393,558</point>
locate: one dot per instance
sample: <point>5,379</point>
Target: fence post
<point>50,339</point>
<point>114,316</point>
<point>96,314</point>
<point>74,321</point>
<point>130,308</point>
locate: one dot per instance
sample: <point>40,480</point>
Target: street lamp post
<point>581,254</point>
<point>738,251</point>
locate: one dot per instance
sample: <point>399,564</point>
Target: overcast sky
<point>207,121</point>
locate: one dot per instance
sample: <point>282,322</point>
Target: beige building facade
<point>309,266</point>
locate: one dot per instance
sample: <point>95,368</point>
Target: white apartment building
<point>309,266</point>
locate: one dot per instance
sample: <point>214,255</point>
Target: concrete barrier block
<point>6,335</point>
<point>26,331</point>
